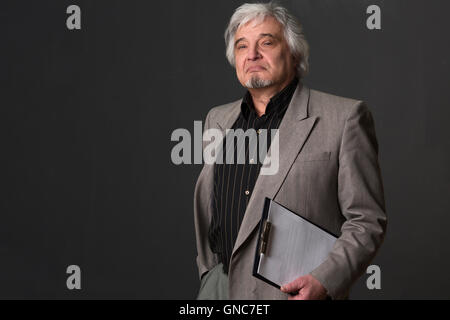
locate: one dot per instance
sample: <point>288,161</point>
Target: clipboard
<point>289,246</point>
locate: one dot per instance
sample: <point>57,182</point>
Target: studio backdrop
<point>91,92</point>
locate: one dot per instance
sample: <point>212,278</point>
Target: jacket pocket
<point>315,156</point>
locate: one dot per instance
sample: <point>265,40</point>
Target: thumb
<point>295,285</point>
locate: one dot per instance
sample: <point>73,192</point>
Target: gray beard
<point>257,83</point>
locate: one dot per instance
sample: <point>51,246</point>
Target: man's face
<point>262,54</point>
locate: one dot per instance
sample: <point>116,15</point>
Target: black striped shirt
<point>233,183</point>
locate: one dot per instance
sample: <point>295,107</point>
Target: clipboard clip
<point>265,236</point>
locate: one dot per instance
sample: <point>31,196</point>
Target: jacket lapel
<point>293,132</point>
<point>223,123</point>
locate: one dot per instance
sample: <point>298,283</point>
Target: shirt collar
<point>278,103</point>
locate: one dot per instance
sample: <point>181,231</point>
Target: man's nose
<point>253,53</point>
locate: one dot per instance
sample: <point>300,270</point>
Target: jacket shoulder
<point>329,99</point>
<point>220,111</point>
<point>323,103</point>
<point>223,109</point>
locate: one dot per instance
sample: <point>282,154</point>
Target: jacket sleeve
<point>206,259</point>
<point>361,200</point>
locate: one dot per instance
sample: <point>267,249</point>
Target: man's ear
<point>296,60</point>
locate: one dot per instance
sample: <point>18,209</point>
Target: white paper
<point>295,246</point>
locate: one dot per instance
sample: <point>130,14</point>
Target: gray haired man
<point>328,167</point>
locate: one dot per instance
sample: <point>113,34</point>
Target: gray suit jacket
<point>328,173</point>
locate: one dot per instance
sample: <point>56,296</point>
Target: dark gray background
<point>86,118</point>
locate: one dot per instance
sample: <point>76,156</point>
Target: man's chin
<point>256,82</point>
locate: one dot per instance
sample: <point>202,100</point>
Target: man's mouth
<point>255,69</point>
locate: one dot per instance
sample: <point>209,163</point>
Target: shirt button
<point>252,161</point>
<point>247,192</point>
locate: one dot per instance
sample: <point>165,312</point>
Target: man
<point>328,167</point>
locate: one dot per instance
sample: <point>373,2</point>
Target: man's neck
<point>261,97</point>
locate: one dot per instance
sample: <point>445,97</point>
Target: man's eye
<point>267,43</point>
<point>241,46</point>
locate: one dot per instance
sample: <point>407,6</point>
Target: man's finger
<point>299,296</point>
<point>295,285</point>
